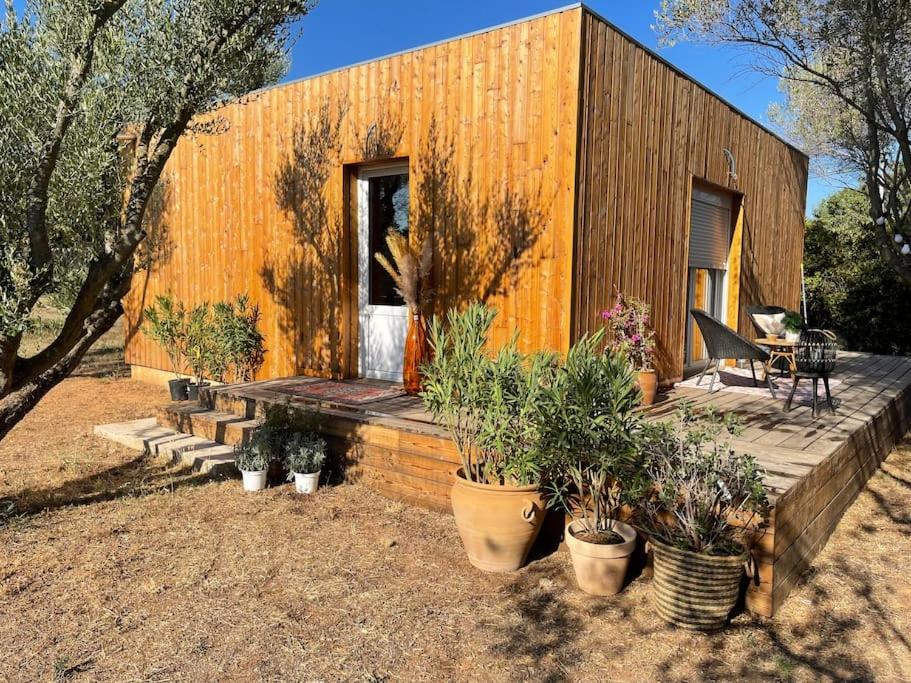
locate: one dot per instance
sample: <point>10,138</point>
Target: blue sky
<point>340,32</point>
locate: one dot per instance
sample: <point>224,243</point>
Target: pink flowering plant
<point>629,331</point>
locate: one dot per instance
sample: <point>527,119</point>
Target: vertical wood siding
<point>488,123</point>
<point>646,133</point>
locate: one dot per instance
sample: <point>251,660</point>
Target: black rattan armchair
<point>723,343</point>
<point>814,359</point>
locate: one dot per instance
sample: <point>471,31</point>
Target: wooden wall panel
<point>488,123</point>
<point>647,132</point>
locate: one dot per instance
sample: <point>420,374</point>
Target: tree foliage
<point>94,95</point>
<point>845,68</point>
<point>848,289</point>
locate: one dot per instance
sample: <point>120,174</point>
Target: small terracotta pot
<point>600,569</point>
<point>648,383</point>
<point>497,524</point>
<point>417,352</point>
<point>693,590</point>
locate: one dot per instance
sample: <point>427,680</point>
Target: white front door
<point>383,202</point>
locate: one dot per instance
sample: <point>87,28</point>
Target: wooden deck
<point>815,467</point>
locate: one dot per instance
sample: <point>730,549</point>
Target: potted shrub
<point>282,425</point>
<point>705,504</point>
<point>305,454</point>
<point>252,459</point>
<point>488,403</point>
<point>410,270</point>
<point>166,324</point>
<point>200,343</point>
<point>246,344</point>
<point>629,332</point>
<point>589,428</point>
<point>793,325</point>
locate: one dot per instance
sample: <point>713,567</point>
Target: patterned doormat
<point>740,381</point>
<point>341,392</point>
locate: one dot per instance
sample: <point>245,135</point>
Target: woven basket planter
<point>692,590</point>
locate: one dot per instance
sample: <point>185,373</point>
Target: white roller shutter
<point>710,230</point>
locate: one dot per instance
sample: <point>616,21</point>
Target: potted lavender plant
<point>630,333</point>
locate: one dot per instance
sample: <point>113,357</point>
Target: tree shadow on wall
<point>311,279</point>
<point>483,237</point>
<point>155,251</point>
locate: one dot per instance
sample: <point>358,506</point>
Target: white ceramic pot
<point>254,481</point>
<point>792,336</point>
<point>306,483</point>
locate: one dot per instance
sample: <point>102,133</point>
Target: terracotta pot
<point>693,590</point>
<point>600,569</point>
<point>648,383</point>
<point>497,524</point>
<point>417,352</point>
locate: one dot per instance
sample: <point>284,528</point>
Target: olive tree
<point>94,95</point>
<point>845,69</point>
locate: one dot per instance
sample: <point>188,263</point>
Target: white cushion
<point>771,323</point>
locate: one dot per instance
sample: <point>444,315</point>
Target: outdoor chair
<point>723,343</point>
<point>814,359</point>
<point>754,311</point>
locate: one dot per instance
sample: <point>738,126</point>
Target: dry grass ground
<point>117,567</point>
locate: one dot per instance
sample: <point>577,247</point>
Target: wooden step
<point>219,426</point>
<point>199,454</point>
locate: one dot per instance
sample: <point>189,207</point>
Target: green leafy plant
<point>305,453</point>
<point>251,457</point>
<point>200,344</point>
<point>590,432</point>
<point>487,401</point>
<point>280,427</point>
<point>166,324</point>
<point>246,344</point>
<point>793,322</point>
<point>705,497</point>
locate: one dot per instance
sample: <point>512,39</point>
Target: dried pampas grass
<point>409,268</point>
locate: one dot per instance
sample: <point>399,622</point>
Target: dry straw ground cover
<point>116,567</point>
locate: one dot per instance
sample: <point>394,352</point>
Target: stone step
<point>200,454</point>
<point>214,425</point>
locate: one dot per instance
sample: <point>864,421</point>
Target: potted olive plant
<point>488,403</point>
<point>252,459</point>
<point>706,504</point>
<point>305,454</point>
<point>166,324</point>
<point>630,332</point>
<point>590,431</point>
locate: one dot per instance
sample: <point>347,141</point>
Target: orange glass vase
<point>417,352</point>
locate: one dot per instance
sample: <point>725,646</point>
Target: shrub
<point>704,496</point>
<point>251,457</point>
<point>793,321</point>
<point>589,429</point>
<point>166,324</point>
<point>305,453</point>
<point>200,342</point>
<point>281,424</point>
<point>488,402</point>
<point>629,330</point>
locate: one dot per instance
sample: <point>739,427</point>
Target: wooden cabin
<point>551,161</point>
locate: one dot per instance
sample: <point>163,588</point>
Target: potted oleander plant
<point>629,332</point>
<point>707,504</point>
<point>488,403</point>
<point>305,453</point>
<point>166,324</point>
<point>252,458</point>
<point>590,429</point>
<point>201,346</point>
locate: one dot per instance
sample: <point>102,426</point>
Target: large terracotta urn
<point>417,352</point>
<point>498,524</point>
